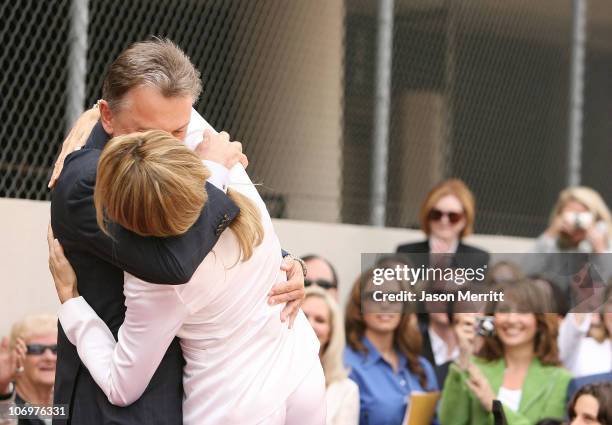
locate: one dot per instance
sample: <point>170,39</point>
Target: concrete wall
<point>297,101</point>
<point>26,285</point>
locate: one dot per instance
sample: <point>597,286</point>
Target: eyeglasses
<point>325,284</point>
<point>453,217</point>
<point>39,349</point>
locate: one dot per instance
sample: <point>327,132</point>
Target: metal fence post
<point>384,44</point>
<point>77,61</point>
<point>574,148</point>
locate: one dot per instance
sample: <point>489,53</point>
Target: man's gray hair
<point>159,63</point>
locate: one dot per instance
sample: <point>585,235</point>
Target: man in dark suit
<point>151,85</point>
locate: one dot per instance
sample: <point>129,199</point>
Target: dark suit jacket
<point>99,263</point>
<point>577,383</point>
<point>467,256</point>
<point>26,421</point>
<point>427,352</point>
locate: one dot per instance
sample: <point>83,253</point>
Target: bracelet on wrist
<point>302,263</point>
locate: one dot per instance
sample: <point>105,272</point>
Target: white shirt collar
<point>440,349</point>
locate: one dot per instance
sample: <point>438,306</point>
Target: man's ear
<point>106,116</point>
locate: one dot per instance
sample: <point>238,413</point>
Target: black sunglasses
<point>325,284</point>
<point>39,349</point>
<point>453,217</point>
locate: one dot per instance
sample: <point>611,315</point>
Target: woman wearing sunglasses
<point>447,216</point>
<point>321,273</point>
<point>27,365</point>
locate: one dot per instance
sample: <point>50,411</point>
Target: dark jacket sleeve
<point>414,248</point>
<point>171,260</point>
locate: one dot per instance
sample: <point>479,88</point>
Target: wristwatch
<point>302,263</point>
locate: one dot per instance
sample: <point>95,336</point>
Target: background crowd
<point>547,358</point>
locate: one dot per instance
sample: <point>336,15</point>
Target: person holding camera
<point>518,364</point>
<point>580,222</point>
<point>578,239</point>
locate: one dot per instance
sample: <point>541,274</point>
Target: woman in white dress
<point>342,394</point>
<point>243,366</point>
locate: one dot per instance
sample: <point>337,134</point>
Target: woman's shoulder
<point>566,375</point>
<point>414,247</point>
<point>344,386</point>
<point>559,371</point>
<point>426,364</point>
<point>353,357</point>
<point>470,249</point>
<point>342,396</point>
<point>487,365</point>
<point>432,380</point>
<point>557,378</point>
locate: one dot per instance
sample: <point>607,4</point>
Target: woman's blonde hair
<point>331,358</point>
<point>152,185</point>
<point>33,325</point>
<point>458,189</point>
<point>590,199</point>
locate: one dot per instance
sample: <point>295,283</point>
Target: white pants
<point>306,405</point>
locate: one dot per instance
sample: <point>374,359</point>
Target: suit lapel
<point>537,382</point>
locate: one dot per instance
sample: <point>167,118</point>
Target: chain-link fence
<point>33,91</point>
<point>479,90</point>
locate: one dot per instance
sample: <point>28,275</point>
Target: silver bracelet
<point>302,263</point>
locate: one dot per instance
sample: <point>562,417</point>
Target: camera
<point>485,325</point>
<point>579,220</point>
